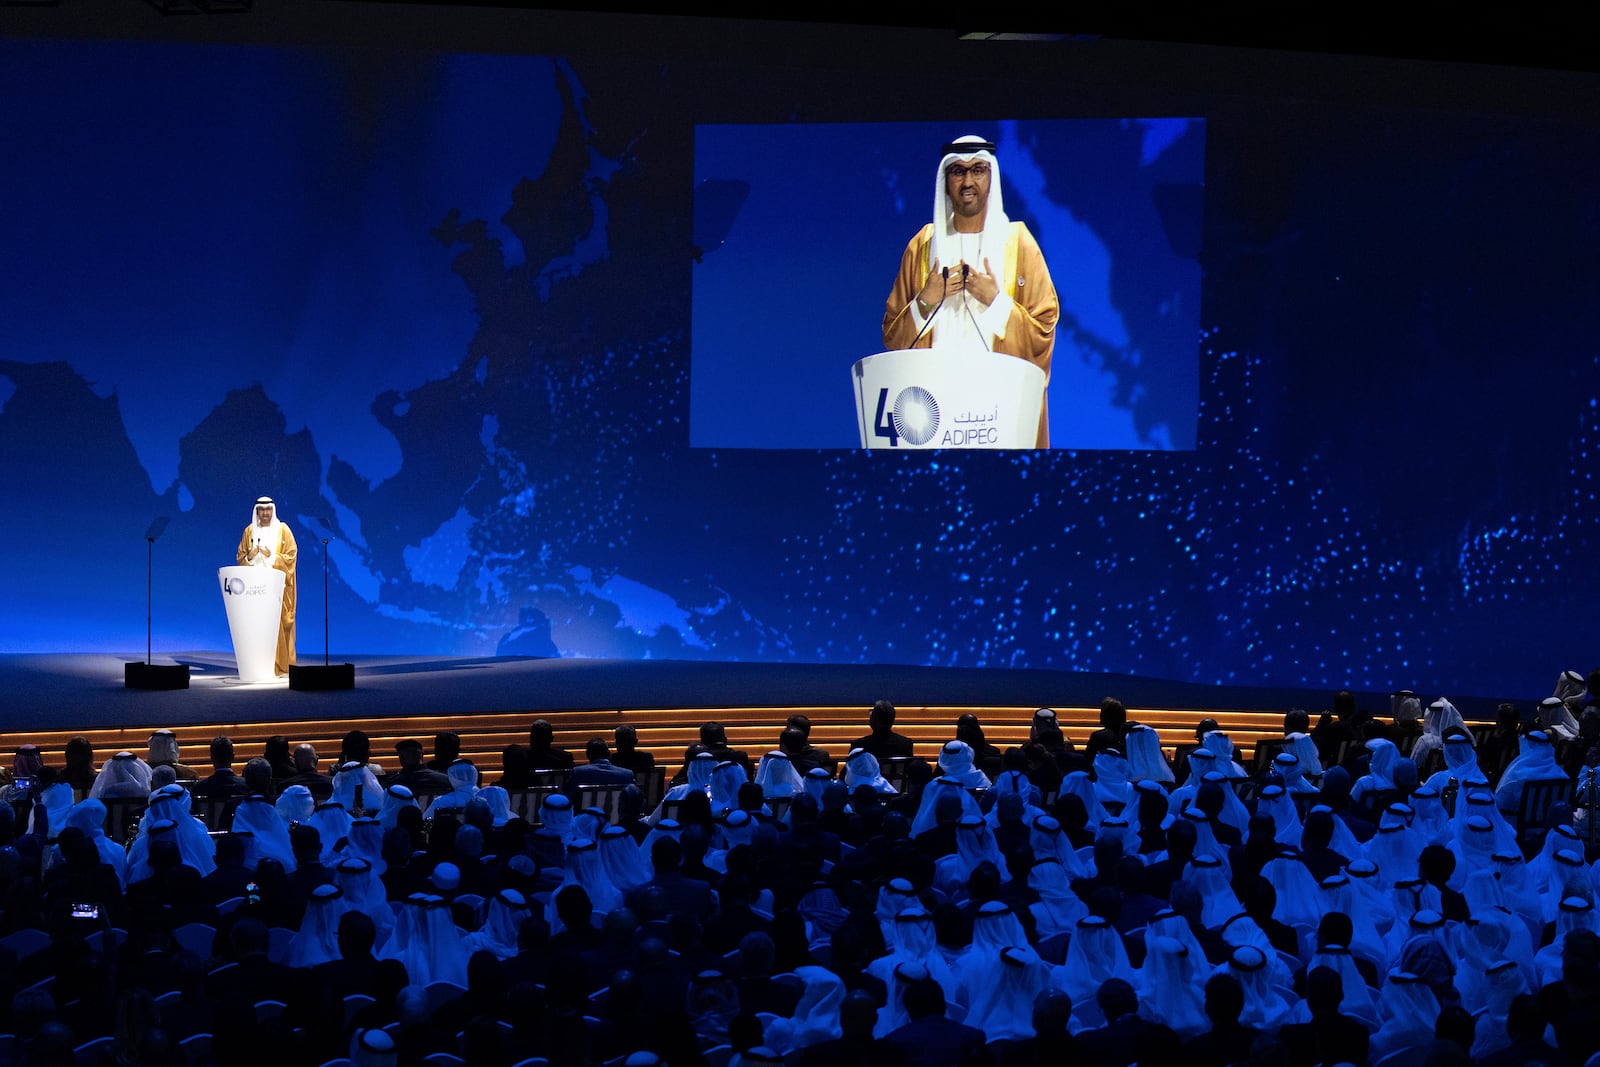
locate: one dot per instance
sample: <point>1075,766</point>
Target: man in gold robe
<point>269,543</point>
<point>996,293</point>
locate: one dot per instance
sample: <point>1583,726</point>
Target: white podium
<point>920,398</point>
<point>253,597</point>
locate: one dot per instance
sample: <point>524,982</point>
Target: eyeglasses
<point>960,172</point>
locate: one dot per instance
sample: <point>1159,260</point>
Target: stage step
<point>665,732</point>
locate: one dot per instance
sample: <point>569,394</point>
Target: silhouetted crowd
<point>1405,889</point>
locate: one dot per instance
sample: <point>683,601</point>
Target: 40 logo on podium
<point>914,418</point>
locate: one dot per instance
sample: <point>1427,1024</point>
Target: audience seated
<point>801,919</point>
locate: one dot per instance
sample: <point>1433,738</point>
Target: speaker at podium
<point>924,398</point>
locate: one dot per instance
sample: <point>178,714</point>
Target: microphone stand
<point>328,676</point>
<point>148,675</point>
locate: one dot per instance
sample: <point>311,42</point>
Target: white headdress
<point>947,244</point>
<point>266,536</point>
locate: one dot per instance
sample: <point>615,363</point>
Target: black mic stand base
<point>155,676</point>
<point>323,677</point>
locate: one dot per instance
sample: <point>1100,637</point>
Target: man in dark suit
<point>1125,1036</point>
<point>355,972</point>
<point>929,1039</point>
<point>670,892</point>
<point>714,737</point>
<point>543,753</point>
<point>423,781</point>
<point>883,742</point>
<point>855,1047</point>
<point>801,752</point>
<point>1329,1037</point>
<point>600,770</point>
<point>628,754</point>
<point>306,774</point>
<point>1113,728</point>
<point>223,781</point>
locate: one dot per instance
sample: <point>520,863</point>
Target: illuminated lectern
<point>922,398</point>
<point>253,597</point>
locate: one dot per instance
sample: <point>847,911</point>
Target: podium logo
<point>915,416</point>
<point>233,586</point>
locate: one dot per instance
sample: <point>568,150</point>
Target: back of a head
<point>541,733</point>
<point>712,735</point>
<point>1224,999</point>
<point>446,746</point>
<point>574,908</point>
<point>357,933</point>
<point>230,851</point>
<point>221,752</point>
<point>1319,829</point>
<point>626,737</point>
<point>882,717</point>
<point>1455,1024</point>
<point>258,776</point>
<point>1130,876</point>
<point>1580,962</point>
<point>1105,902</point>
<point>859,1014</point>
<point>1405,776</point>
<point>1335,928</point>
<point>357,746</point>
<point>1186,899</point>
<point>1182,836</point>
<point>78,752</point>
<point>1344,703</point>
<point>799,722</point>
<point>306,841</point>
<point>665,854</point>
<point>276,750</point>
<point>1116,998</point>
<point>1052,1012</point>
<point>595,749</point>
<point>412,1006</point>
<point>924,997</point>
<point>1113,716</point>
<point>305,758</point>
<point>757,955</point>
<point>469,842</point>
<point>1436,864</point>
<point>1525,1020</point>
<point>1296,721</point>
<point>1324,989</point>
<point>1260,898</point>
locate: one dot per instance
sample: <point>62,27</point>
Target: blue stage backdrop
<point>444,308</point>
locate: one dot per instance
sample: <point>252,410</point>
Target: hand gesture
<point>982,284</point>
<point>938,287</point>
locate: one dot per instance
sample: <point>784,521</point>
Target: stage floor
<point>71,690</point>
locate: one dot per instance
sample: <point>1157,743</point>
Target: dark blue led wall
<point>441,307</point>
